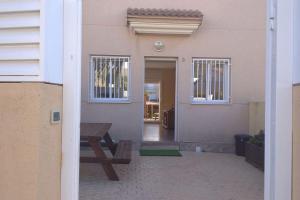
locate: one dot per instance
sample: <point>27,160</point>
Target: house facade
<point>229,37</point>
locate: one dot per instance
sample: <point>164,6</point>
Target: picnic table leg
<point>106,164</point>
<point>110,144</point>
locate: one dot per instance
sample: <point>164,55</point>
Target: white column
<point>71,100</point>
<point>279,80</point>
<point>296,41</point>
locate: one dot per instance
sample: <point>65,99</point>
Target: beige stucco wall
<point>30,147</point>
<point>296,143</point>
<point>230,29</point>
<point>166,78</point>
<point>256,117</point>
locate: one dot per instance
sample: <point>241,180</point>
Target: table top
<point>152,103</point>
<point>94,129</point>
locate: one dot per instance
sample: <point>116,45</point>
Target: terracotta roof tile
<point>164,12</point>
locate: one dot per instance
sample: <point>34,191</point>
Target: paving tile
<point>205,176</point>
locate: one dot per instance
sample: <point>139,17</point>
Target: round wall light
<point>159,46</point>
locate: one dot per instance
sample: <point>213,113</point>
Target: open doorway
<point>159,100</point>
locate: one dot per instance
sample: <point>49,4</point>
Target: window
<point>211,80</point>
<point>109,78</point>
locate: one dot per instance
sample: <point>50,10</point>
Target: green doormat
<point>159,152</point>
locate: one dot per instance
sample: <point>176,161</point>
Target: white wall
<point>52,40</point>
<point>296,72</point>
<point>31,34</point>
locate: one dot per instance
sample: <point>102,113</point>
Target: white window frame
<point>226,82</point>
<point>92,98</point>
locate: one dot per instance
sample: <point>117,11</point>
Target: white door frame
<point>278,101</point>
<point>172,59</point>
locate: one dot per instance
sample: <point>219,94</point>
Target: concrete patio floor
<point>206,176</point>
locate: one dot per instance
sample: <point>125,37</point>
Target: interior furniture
<point>146,98</point>
<point>152,110</point>
<point>169,119</point>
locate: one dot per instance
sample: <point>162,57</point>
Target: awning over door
<point>164,21</point>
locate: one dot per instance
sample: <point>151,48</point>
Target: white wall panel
<point>31,40</point>
<point>19,68</point>
<point>19,20</point>
<point>19,6</point>
<point>20,50</point>
<point>20,36</point>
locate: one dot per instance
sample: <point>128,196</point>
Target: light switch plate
<point>55,117</point>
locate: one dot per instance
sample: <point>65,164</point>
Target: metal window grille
<point>109,78</point>
<point>211,80</point>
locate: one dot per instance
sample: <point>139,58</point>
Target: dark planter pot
<point>240,143</point>
<point>255,155</point>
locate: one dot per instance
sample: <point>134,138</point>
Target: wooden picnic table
<point>93,133</point>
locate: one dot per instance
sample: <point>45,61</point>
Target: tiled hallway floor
<point>205,176</point>
<point>155,132</point>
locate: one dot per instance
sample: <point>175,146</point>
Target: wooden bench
<point>93,133</point>
<point>123,152</point>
